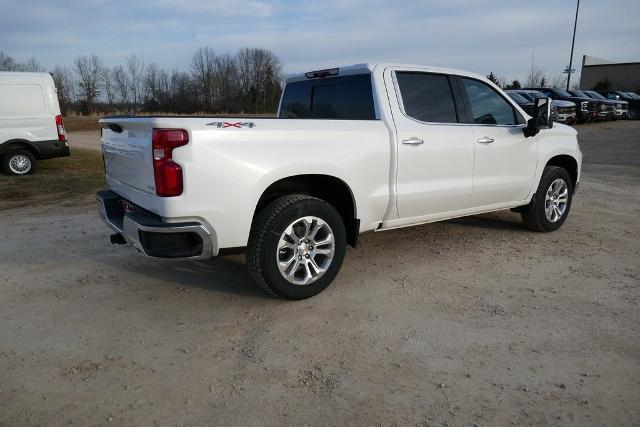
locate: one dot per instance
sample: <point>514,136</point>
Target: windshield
<point>633,95</point>
<point>560,92</point>
<point>518,98</point>
<point>595,95</point>
<point>580,93</point>
<point>534,94</point>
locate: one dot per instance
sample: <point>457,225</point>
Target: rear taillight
<point>167,173</point>
<point>62,137</point>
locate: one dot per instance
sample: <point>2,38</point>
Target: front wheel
<point>296,247</point>
<point>634,113</point>
<point>550,205</point>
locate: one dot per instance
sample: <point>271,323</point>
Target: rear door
<point>434,153</point>
<point>505,161</point>
<point>23,109</point>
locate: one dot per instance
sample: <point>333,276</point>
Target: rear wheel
<point>19,162</point>
<point>550,205</point>
<point>296,247</point>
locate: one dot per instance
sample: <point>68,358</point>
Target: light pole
<point>569,70</point>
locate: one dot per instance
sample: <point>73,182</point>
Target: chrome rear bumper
<point>152,237</point>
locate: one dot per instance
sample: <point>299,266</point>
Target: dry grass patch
<point>67,180</point>
<point>81,123</point>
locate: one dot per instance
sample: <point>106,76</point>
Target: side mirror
<point>542,117</point>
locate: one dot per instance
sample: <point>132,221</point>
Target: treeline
<point>247,82</point>
<point>536,78</point>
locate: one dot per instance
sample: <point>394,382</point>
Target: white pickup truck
<point>353,149</point>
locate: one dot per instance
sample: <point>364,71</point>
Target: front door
<point>505,161</point>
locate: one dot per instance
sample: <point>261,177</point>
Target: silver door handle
<point>485,140</point>
<point>413,141</point>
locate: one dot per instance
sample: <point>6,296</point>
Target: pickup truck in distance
<point>353,149</point>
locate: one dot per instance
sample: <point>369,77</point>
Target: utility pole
<point>570,70</point>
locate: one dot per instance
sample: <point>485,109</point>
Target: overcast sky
<point>479,36</point>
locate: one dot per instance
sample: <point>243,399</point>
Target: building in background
<point>598,73</point>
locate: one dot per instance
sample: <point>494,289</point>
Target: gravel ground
<point>470,321</point>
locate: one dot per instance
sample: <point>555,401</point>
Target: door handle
<point>412,141</point>
<point>485,140</point>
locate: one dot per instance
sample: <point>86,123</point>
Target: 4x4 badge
<point>232,124</point>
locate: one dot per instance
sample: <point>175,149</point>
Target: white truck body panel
<point>393,184</point>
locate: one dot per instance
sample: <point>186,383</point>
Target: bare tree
<point>7,63</point>
<point>135,68</point>
<point>576,84</point>
<point>260,72</point>
<point>151,86</point>
<point>63,80</point>
<point>536,77</point>
<point>89,69</point>
<point>558,81</point>
<point>109,86</point>
<point>122,85</point>
<point>226,83</point>
<point>32,65</point>
<point>203,65</point>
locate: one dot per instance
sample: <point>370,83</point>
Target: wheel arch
<point>15,144</point>
<point>329,188</point>
<point>567,162</point>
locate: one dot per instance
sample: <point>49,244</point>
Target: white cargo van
<point>31,126</point>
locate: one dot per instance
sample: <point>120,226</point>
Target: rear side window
<point>21,99</point>
<point>346,97</point>
<point>427,97</point>
<point>487,106</point>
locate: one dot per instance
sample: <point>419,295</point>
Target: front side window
<point>487,106</point>
<point>427,97</point>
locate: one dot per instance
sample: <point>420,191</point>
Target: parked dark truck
<point>631,98</point>
<point>561,111</point>
<point>588,108</point>
<point>605,108</point>
<point>620,108</point>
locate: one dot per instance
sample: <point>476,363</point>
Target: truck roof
<point>21,73</point>
<point>365,68</point>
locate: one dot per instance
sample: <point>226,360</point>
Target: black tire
<point>634,113</point>
<point>267,229</point>
<point>10,169</point>
<point>533,214</point>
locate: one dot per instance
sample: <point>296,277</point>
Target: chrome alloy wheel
<point>19,164</point>
<point>305,250</point>
<point>555,201</point>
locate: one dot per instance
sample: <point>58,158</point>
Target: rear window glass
<point>21,99</point>
<point>427,97</point>
<point>346,98</point>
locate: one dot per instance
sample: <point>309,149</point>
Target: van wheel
<point>19,162</point>
<point>550,205</point>
<point>296,247</point>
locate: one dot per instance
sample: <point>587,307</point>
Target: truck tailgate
<point>128,162</point>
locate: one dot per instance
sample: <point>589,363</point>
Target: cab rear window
<point>342,97</point>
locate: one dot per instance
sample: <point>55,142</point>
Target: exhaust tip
<point>117,239</point>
